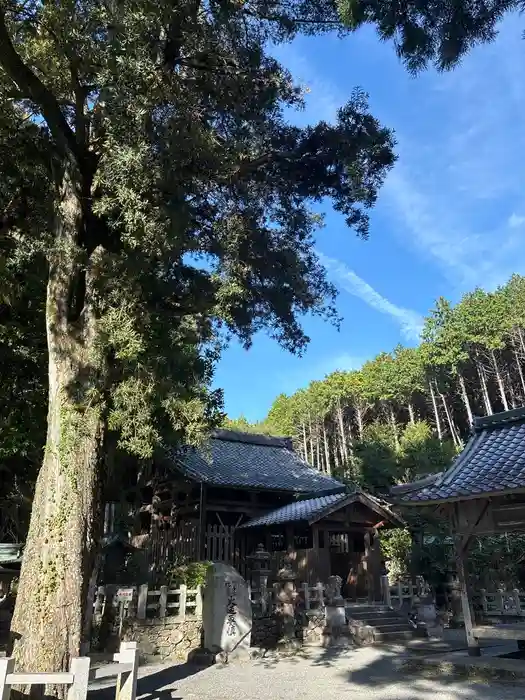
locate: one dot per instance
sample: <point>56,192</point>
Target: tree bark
<point>305,444</point>
<point>484,388</point>
<point>499,380</point>
<point>436,412</point>
<point>513,398</point>
<point>319,464</point>
<point>522,340</point>
<point>411,414</point>
<point>311,442</point>
<point>49,621</point>
<point>466,401</point>
<point>392,419</point>
<point>360,422</point>
<point>340,421</point>
<point>520,369</point>
<point>453,430</point>
<point>326,451</point>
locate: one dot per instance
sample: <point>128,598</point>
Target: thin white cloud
<point>460,155</point>
<point>410,322</point>
<point>461,163</point>
<point>516,220</point>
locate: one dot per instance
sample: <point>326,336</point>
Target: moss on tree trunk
<point>48,622</point>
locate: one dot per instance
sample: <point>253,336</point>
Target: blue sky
<point>450,216</point>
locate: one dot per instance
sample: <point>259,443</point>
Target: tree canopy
<point>157,176</point>
<point>436,32</point>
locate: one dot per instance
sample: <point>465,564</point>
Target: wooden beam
<point>511,632</point>
<point>247,508</point>
<point>471,527</point>
<point>289,535</point>
<point>468,613</point>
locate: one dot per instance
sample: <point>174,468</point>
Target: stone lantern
<point>259,567</point>
<point>286,599</point>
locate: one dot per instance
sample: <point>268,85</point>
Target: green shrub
<point>192,574</point>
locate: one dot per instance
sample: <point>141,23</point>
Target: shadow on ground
<point>154,686</point>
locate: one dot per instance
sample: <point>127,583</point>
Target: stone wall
<point>162,639</point>
<point>265,632</point>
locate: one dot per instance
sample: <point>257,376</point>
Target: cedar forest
<point>406,413</point>
<point>155,201</point>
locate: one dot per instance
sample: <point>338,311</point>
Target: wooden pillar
<point>203,521</point>
<point>289,533</point>
<point>315,537</point>
<point>462,545</point>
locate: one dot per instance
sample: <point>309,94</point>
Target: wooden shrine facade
<point>220,502</point>
<point>483,493</point>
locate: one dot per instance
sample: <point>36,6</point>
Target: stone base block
<point>335,617</point>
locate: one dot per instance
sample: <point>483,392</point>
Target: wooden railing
<point>142,602</point>
<point>178,602</point>
<point>125,667</point>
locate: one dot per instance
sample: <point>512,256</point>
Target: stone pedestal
<point>335,614</point>
<point>227,613</point>
<point>286,602</point>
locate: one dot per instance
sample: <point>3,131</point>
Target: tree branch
<point>26,80</point>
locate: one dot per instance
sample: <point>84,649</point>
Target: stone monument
<point>226,613</point>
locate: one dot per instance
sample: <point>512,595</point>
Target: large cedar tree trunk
<point>48,622</point>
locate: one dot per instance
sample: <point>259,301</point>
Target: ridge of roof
<point>252,438</point>
<point>497,420</point>
<point>416,484</point>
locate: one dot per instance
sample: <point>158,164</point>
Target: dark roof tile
<point>492,461</point>
<point>253,461</point>
<point>299,510</point>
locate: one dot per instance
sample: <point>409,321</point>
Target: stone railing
<point>501,603</point>
<point>402,592</point>
<point>264,599</point>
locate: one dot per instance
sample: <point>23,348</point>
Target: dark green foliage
<point>24,197</point>
<point>379,463</point>
<point>201,192</point>
<point>437,32</point>
<point>191,574</point>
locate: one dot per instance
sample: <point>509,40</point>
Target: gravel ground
<point>361,674</point>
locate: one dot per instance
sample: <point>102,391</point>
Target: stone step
<point>366,607</point>
<point>386,629</point>
<point>374,615</point>
<point>385,637</point>
<point>391,626</point>
<point>376,620</point>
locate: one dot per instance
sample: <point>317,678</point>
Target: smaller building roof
<point>313,509</point>
<point>244,460</point>
<point>493,462</point>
